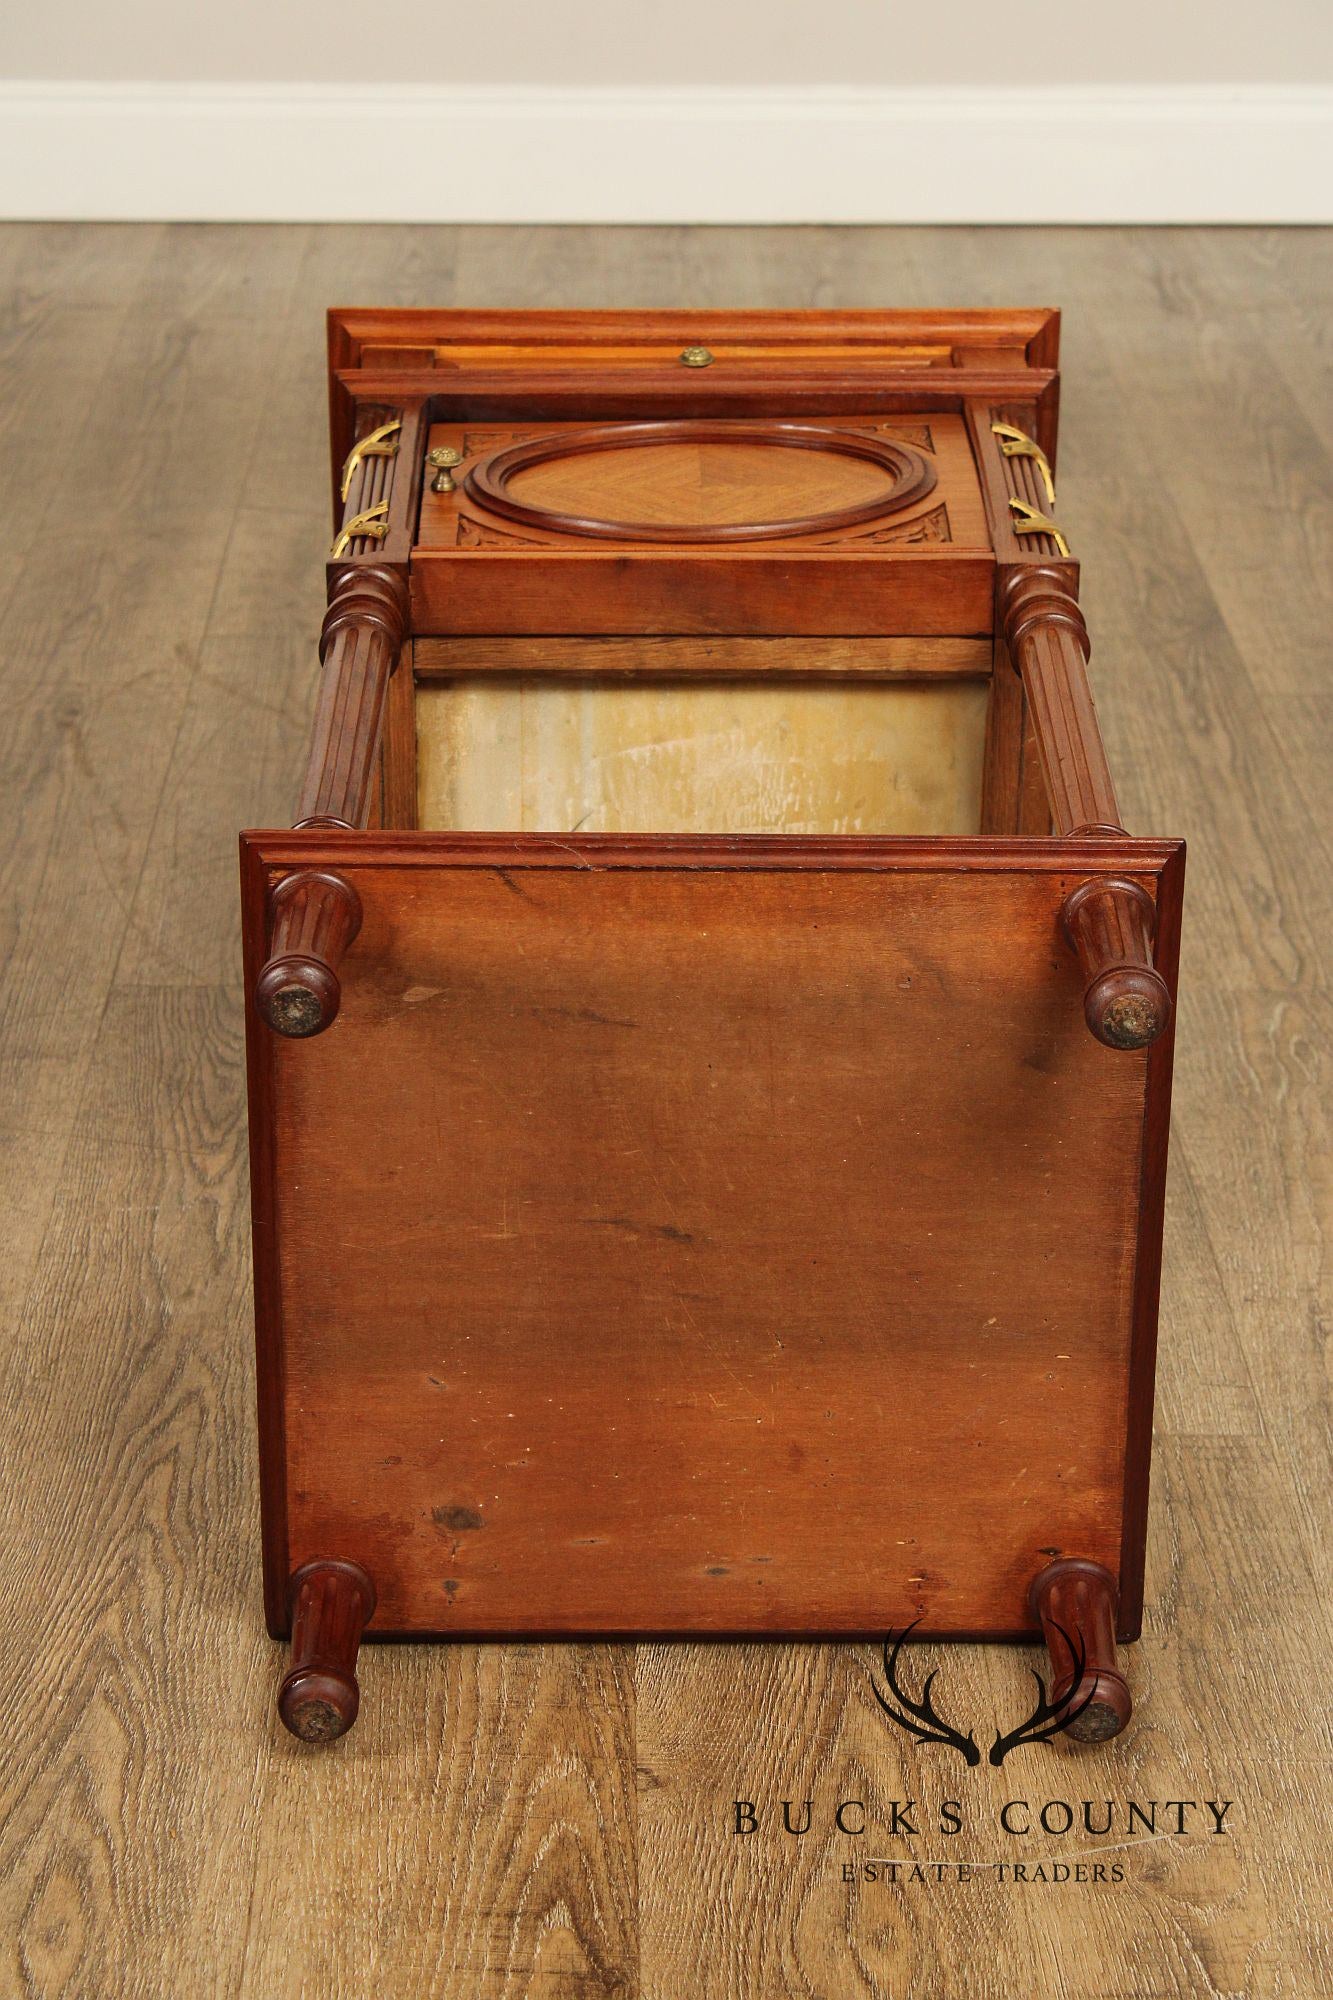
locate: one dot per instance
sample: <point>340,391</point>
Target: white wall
<point>654,42</point>
<point>974,111</point>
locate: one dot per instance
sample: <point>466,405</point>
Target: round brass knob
<point>443,457</point>
<point>696,357</point>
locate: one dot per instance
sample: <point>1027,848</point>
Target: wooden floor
<point>557,1821</point>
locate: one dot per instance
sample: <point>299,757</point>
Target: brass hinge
<point>375,444</point>
<point>1027,521</point>
<point>371,524</point>
<point>1015,443</point>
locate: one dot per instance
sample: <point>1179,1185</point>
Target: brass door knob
<point>444,457</point>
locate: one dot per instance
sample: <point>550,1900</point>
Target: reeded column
<point>316,914</point>
<point>1108,920</point>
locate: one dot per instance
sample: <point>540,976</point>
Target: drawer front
<point>861,525</point>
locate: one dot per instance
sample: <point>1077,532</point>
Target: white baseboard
<point>390,153</point>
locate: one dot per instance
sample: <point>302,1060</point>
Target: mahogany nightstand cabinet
<point>709,1031</point>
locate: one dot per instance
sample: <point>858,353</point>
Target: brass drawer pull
<point>375,444</point>
<point>372,524</point>
<point>1027,521</point>
<point>1015,443</point>
<point>696,357</point>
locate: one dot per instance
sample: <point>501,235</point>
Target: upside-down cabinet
<point>709,1031</point>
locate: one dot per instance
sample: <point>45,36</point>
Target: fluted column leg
<point>331,1602</point>
<point>316,914</point>
<point>1108,920</point>
<point>1075,1600</point>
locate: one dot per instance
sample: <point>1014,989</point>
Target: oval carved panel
<point>699,481</point>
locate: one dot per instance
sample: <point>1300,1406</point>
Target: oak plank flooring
<point>80,773</point>
<point>554,1821</point>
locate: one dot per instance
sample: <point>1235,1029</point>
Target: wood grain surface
<point>555,1821</point>
<point>713,656</point>
<point>701,485</point>
<point>693,1176</point>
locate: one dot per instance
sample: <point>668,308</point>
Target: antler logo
<point>922,1720</point>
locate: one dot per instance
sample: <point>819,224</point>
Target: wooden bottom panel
<point>670,1249</point>
<point>694,756</point>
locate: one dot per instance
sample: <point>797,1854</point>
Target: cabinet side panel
<point>555,755</point>
<point>1148,1265</point>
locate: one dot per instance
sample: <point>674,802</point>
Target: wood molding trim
<point>490,483</point>
<point>716,656</point>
